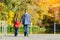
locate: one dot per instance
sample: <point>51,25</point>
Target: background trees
<point>10,9</point>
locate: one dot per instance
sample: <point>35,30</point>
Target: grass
<point>34,30</point>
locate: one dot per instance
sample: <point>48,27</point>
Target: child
<point>16,26</point>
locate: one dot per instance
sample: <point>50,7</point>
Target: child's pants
<point>16,31</point>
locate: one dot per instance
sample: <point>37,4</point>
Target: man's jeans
<point>26,30</point>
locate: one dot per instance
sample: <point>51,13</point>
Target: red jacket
<point>16,24</point>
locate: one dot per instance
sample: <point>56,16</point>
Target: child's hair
<point>16,19</point>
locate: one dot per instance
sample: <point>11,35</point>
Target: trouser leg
<point>25,30</point>
<point>16,31</point>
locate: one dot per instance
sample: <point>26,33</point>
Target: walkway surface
<point>31,37</point>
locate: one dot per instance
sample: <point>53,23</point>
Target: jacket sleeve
<point>22,19</point>
<point>29,18</point>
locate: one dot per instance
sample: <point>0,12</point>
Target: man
<point>25,20</point>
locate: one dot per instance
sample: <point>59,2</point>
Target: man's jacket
<point>25,19</point>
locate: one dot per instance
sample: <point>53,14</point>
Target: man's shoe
<point>27,35</point>
<point>15,35</point>
<point>24,34</point>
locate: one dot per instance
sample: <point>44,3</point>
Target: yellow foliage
<point>41,17</point>
<point>6,17</point>
<point>9,22</point>
<point>38,5</point>
<point>50,15</point>
<point>2,4</point>
<point>37,15</point>
<point>11,14</point>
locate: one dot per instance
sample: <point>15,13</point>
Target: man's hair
<point>25,10</point>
